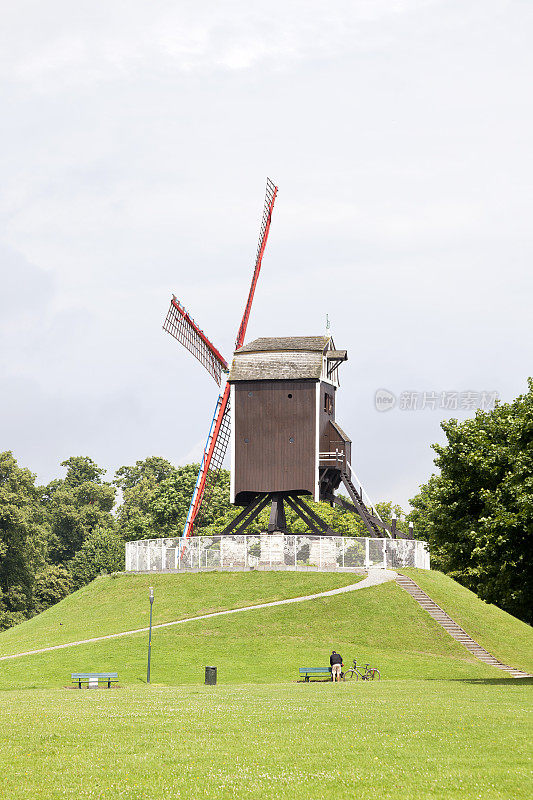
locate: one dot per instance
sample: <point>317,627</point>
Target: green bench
<point>308,671</point>
<point>92,678</point>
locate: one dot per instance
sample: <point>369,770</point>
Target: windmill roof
<point>340,355</point>
<point>280,359</point>
<point>311,344</point>
<point>340,431</point>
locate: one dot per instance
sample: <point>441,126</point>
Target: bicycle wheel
<point>374,675</point>
<point>348,675</point>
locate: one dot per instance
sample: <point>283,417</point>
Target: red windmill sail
<point>270,197</point>
<point>180,325</point>
<point>183,328</point>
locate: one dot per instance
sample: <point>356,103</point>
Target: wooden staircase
<point>361,508</point>
<point>454,629</point>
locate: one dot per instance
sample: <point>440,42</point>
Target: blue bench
<point>92,678</point>
<point>308,671</point>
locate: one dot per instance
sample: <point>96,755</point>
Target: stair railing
<point>364,494</point>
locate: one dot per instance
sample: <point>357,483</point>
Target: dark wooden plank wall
<point>324,417</point>
<point>266,416</point>
<point>329,438</point>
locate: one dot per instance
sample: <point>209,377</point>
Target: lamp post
<point>150,634</point>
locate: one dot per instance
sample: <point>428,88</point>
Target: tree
<point>23,534</point>
<point>140,485</point>
<point>76,505</point>
<point>82,469</point>
<point>171,499</point>
<point>153,469</point>
<point>102,551</point>
<point>477,514</point>
<point>51,585</point>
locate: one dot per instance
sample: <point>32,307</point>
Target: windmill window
<point>250,394</point>
<point>246,441</point>
<point>291,439</point>
<point>289,396</point>
<point>328,403</point>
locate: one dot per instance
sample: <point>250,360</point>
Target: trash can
<point>210,676</point>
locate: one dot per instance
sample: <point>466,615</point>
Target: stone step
<point>451,627</point>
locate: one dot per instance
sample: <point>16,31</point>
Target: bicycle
<point>369,674</point>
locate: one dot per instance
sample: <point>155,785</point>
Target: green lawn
<point>440,724</point>
<point>498,632</point>
<point>380,624</point>
<point>114,604</point>
<point>399,740</point>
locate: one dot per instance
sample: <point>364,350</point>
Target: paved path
<point>374,577</point>
<point>453,628</point>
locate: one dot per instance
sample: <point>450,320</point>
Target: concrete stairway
<point>453,628</point>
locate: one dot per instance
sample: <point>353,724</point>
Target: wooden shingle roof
<point>285,358</point>
<point>311,344</point>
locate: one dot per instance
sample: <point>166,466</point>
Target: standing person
<point>335,661</point>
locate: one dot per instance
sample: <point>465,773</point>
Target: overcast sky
<point>136,138</point>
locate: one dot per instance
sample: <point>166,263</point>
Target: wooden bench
<point>308,671</point>
<point>92,678</point>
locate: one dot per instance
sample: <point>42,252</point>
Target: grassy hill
<point>119,603</point>
<point>381,624</point>
<point>498,632</point>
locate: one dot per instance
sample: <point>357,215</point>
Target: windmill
<point>277,411</point>
<point>183,328</point>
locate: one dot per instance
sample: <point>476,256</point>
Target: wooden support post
<point>313,527</point>
<point>318,520</point>
<point>255,513</point>
<point>247,515</point>
<point>277,521</point>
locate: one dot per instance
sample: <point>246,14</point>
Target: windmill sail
<point>219,433</point>
<point>212,460</point>
<point>183,328</point>
<point>270,197</point>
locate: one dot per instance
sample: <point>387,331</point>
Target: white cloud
<point>65,45</point>
<point>135,143</point>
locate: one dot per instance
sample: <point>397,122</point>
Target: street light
<point>150,633</point>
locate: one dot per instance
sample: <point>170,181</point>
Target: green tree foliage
<point>102,551</point>
<point>82,469</point>
<point>42,529</point>
<point>52,584</point>
<point>22,539</point>
<point>141,485</point>
<point>76,506</point>
<point>477,514</point>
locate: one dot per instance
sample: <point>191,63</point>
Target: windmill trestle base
<point>277,522</point>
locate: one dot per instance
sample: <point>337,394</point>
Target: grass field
<point>441,724</point>
<point>403,740</point>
